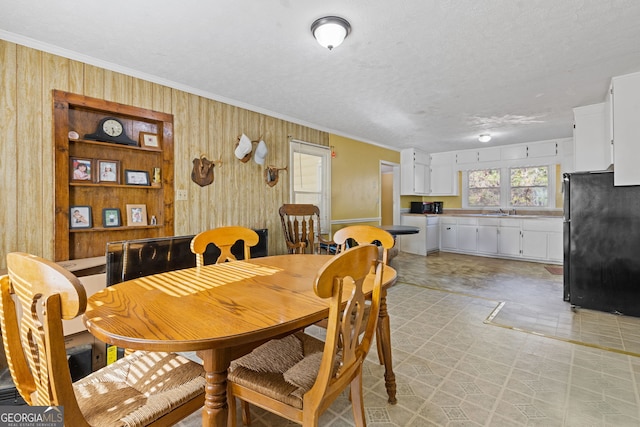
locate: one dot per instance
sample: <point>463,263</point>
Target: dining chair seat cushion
<point>128,393</point>
<point>285,382</point>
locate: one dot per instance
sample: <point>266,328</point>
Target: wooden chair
<point>224,238</point>
<point>301,228</point>
<point>145,388</point>
<point>363,234</point>
<point>307,375</point>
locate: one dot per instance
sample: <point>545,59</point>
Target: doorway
<point>389,193</point>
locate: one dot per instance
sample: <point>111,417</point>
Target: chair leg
<point>357,400</point>
<point>379,347</point>
<point>231,419</point>
<point>246,413</point>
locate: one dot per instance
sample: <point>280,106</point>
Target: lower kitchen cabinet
<point>467,234</point>
<point>542,239</point>
<point>488,235</point>
<point>426,240</point>
<point>509,240</point>
<point>513,237</point>
<point>448,234</point>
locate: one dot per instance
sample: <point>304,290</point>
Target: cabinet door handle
<point>448,228</point>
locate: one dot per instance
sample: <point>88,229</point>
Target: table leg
<point>215,411</point>
<point>384,334</point>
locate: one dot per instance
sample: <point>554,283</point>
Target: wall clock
<point>111,129</point>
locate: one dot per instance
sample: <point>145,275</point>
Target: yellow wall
<point>355,178</point>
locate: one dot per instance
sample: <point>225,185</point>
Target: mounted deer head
<point>202,173</point>
<point>271,175</point>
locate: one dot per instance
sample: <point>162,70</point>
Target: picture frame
<point>81,169</point>
<point>136,177</point>
<point>136,215</point>
<point>111,217</point>
<point>108,171</point>
<point>149,140</point>
<point>80,217</point>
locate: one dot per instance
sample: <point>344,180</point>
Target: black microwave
<point>421,207</point>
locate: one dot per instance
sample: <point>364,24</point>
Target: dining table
<point>220,311</point>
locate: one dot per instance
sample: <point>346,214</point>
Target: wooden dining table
<point>221,311</point>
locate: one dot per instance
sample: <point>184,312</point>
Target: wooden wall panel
<point>55,75</point>
<point>8,150</point>
<point>94,84</point>
<point>238,195</point>
<point>31,169</point>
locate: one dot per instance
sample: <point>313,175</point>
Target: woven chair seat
<point>127,393</point>
<point>283,369</point>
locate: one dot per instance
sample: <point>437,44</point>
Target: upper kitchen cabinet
<point>467,157</point>
<point>592,146</point>
<point>414,172</point>
<point>626,129</point>
<point>444,174</point>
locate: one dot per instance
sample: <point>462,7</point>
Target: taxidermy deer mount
<point>271,175</point>
<point>202,173</point>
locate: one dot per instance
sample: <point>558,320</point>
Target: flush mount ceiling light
<point>485,137</point>
<point>330,31</point>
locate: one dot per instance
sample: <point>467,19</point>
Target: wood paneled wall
<point>238,195</point>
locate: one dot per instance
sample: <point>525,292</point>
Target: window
<point>509,187</point>
<point>310,178</point>
<point>483,188</point>
<point>529,186</point>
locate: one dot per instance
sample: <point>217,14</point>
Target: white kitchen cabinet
<point>428,238</point>
<point>509,233</point>
<point>433,234</point>
<point>505,237</point>
<point>414,243</point>
<point>626,128</point>
<point>489,154</point>
<point>536,240</point>
<point>513,152</point>
<point>414,172</point>
<point>488,235</point>
<point>555,250</point>
<point>467,157</point>
<point>542,149</point>
<point>444,176</point>
<point>448,234</point>
<point>534,244</point>
<point>468,234</point>
<point>591,145</point>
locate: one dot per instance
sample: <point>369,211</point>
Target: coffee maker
<point>437,207</point>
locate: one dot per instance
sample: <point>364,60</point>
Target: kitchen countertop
<point>491,215</point>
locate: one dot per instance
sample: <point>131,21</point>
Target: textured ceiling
<point>413,73</point>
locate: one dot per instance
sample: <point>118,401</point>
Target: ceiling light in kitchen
<point>485,137</point>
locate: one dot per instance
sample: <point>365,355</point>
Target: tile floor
<point>488,342</point>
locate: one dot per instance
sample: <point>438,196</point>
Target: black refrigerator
<point>601,243</point>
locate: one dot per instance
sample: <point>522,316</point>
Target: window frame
<point>297,146</point>
<point>505,187</point>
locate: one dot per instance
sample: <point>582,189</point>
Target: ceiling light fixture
<point>485,137</point>
<point>330,31</point>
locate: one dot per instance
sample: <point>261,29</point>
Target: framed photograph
<point>149,140</point>
<point>133,177</point>
<point>136,215</point>
<point>111,217</point>
<point>108,171</point>
<point>81,169</point>
<point>80,217</point>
